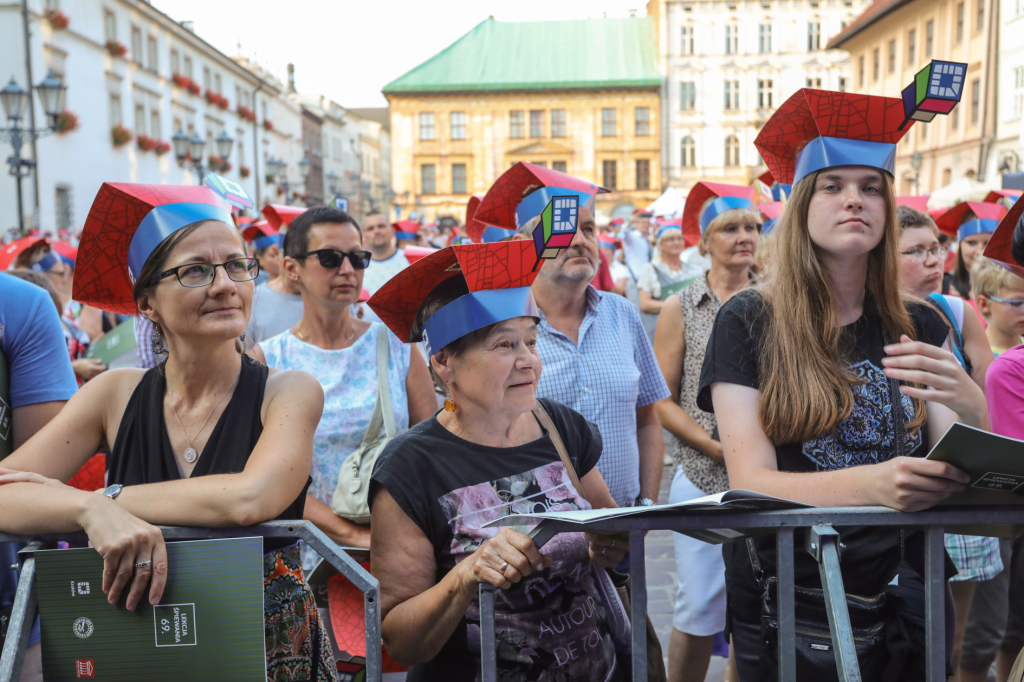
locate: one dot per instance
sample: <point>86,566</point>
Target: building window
<point>216,83</point>
<point>732,95</point>
<point>892,56</point>
<point>206,79</point>
<point>427,126</point>
<point>960,22</point>
<point>643,174</point>
<point>137,45</point>
<point>875,64</point>
<point>813,36</point>
<point>642,123</point>
<point>62,205</point>
<point>542,164</point>
<point>558,123</point>
<point>979,15</point>
<point>151,56</point>
<point>912,47</point>
<point>175,62</point>
<point>140,119</point>
<point>427,185</point>
<point>765,94</point>
<point>686,46</point>
<point>688,96</point>
<point>608,122</point>
<point>515,125</point>
<point>689,153</point>
<point>860,71</point>
<point>558,166</point>
<point>975,100</point>
<point>732,39</point>
<point>732,151</point>
<point>947,176</point>
<point>537,123</point>
<point>842,84</point>
<point>188,67</point>
<point>955,116</point>
<point>609,175</point>
<point>155,129</point>
<point>458,120</point>
<point>109,25</point>
<point>764,38</point>
<point>929,39</point>
<point>812,83</point>
<point>1018,91</point>
<point>114,110</point>
<point>458,178</point>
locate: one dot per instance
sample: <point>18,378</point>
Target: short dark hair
<point>296,239</point>
<point>907,217</point>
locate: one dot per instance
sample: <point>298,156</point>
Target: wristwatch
<point>643,502</point>
<point>113,491</point>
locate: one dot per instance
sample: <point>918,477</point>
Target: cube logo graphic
<point>85,668</point>
<point>557,226</point>
<point>936,89</point>
<point>81,588</point>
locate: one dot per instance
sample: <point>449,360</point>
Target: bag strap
<point>383,386</point>
<point>899,425</point>
<point>544,419</point>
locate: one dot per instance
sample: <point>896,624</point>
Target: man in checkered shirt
<point>597,359</point>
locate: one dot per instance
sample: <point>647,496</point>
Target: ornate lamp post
<point>279,170</point>
<point>189,151</point>
<point>14,99</point>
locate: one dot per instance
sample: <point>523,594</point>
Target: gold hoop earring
<point>449,404</point>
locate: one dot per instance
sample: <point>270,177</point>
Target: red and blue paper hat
<point>262,235</point>
<point>498,276</point>
<point>1006,197</point>
<point>406,230</point>
<point>776,190</point>
<point>771,211</point>
<point>999,249</point>
<point>482,233</point>
<point>916,202</point>
<point>10,252</point>
<point>726,197</point>
<point>280,217</point>
<point>525,190</point>
<point>958,223</point>
<point>818,129</point>
<point>128,221</point>
<point>67,253</point>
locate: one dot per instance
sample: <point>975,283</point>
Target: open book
<point>730,500</point>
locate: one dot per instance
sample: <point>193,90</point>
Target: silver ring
<point>143,564</point>
<point>503,567</point>
<point>612,546</point>
<point>604,551</point>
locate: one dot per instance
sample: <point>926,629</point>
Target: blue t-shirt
<point>33,343</point>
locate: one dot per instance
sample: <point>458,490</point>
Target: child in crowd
<point>1000,298</point>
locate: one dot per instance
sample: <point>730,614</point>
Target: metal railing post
<point>23,616</point>
<point>823,544</point>
<point>787,609</point>
<point>488,656</point>
<point>638,603</point>
<point>935,604</point>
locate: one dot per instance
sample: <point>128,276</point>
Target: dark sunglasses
<point>331,259</point>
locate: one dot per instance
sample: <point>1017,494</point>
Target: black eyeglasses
<point>331,259</point>
<point>202,274</point>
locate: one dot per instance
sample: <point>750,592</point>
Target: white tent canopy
<point>962,189</point>
<point>668,205</point>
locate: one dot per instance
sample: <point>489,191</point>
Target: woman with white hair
<point>668,272</point>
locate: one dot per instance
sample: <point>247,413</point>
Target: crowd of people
<point>401,385</point>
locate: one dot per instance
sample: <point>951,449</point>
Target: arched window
<point>732,151</point>
<point>689,153</point>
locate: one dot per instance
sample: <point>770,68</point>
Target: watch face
<point>112,490</point>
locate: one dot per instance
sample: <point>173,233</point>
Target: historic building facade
<point>590,108</point>
<point>727,65</point>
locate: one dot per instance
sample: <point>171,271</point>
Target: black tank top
<point>142,450</point>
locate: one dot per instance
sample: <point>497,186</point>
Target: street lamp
<point>915,163</point>
<point>189,151</point>
<point>304,166</point>
<point>14,100</point>
<point>224,143</point>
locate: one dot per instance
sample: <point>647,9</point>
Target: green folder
<point>209,625</point>
<point>114,344</point>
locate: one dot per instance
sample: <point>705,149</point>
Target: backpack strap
<point>544,419</point>
<point>383,386</point>
<point>955,335</point>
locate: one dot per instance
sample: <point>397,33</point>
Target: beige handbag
<point>350,495</point>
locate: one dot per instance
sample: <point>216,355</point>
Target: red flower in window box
<point>194,88</point>
<point>223,103</point>
<point>146,143</point>
<point>162,147</point>
<point>182,81</point>
<point>57,19</point>
<point>120,135</point>
<point>115,48</point>
<point>216,162</point>
<point>212,97</point>
<point>67,122</point>
<point>268,124</point>
<point>244,171</point>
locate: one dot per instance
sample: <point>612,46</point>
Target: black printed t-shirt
<point>550,625</point>
<point>865,437</point>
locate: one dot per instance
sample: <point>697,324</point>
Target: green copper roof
<point>541,55</point>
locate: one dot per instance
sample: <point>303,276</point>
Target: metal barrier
<point>24,611</point>
<point>822,543</point>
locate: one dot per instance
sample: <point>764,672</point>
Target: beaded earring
<point>156,341</point>
<point>449,404</point>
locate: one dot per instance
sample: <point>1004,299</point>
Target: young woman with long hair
<point>797,372</point>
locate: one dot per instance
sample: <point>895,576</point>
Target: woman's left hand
<point>944,380</point>
<point>608,549</point>
<point>15,476</point>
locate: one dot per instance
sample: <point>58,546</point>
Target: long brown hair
<point>806,388</point>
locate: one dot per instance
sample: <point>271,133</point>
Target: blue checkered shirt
<point>610,374</point>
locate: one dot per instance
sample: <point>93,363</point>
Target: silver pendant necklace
<point>190,453</point>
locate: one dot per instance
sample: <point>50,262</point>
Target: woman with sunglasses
<point>207,438</point>
<point>324,258</point>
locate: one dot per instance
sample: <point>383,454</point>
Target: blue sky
<point>349,49</point>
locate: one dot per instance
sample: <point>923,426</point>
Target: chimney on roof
<point>188,26</point>
<point>291,78</point>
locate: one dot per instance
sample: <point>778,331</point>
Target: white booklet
<point>730,500</point>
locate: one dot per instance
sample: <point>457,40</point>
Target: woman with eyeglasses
<point>324,258</point>
<point>208,438</point>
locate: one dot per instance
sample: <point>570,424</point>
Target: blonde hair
<point>663,232</point>
<point>988,278</point>
<point>806,387</point>
<point>723,219</point>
